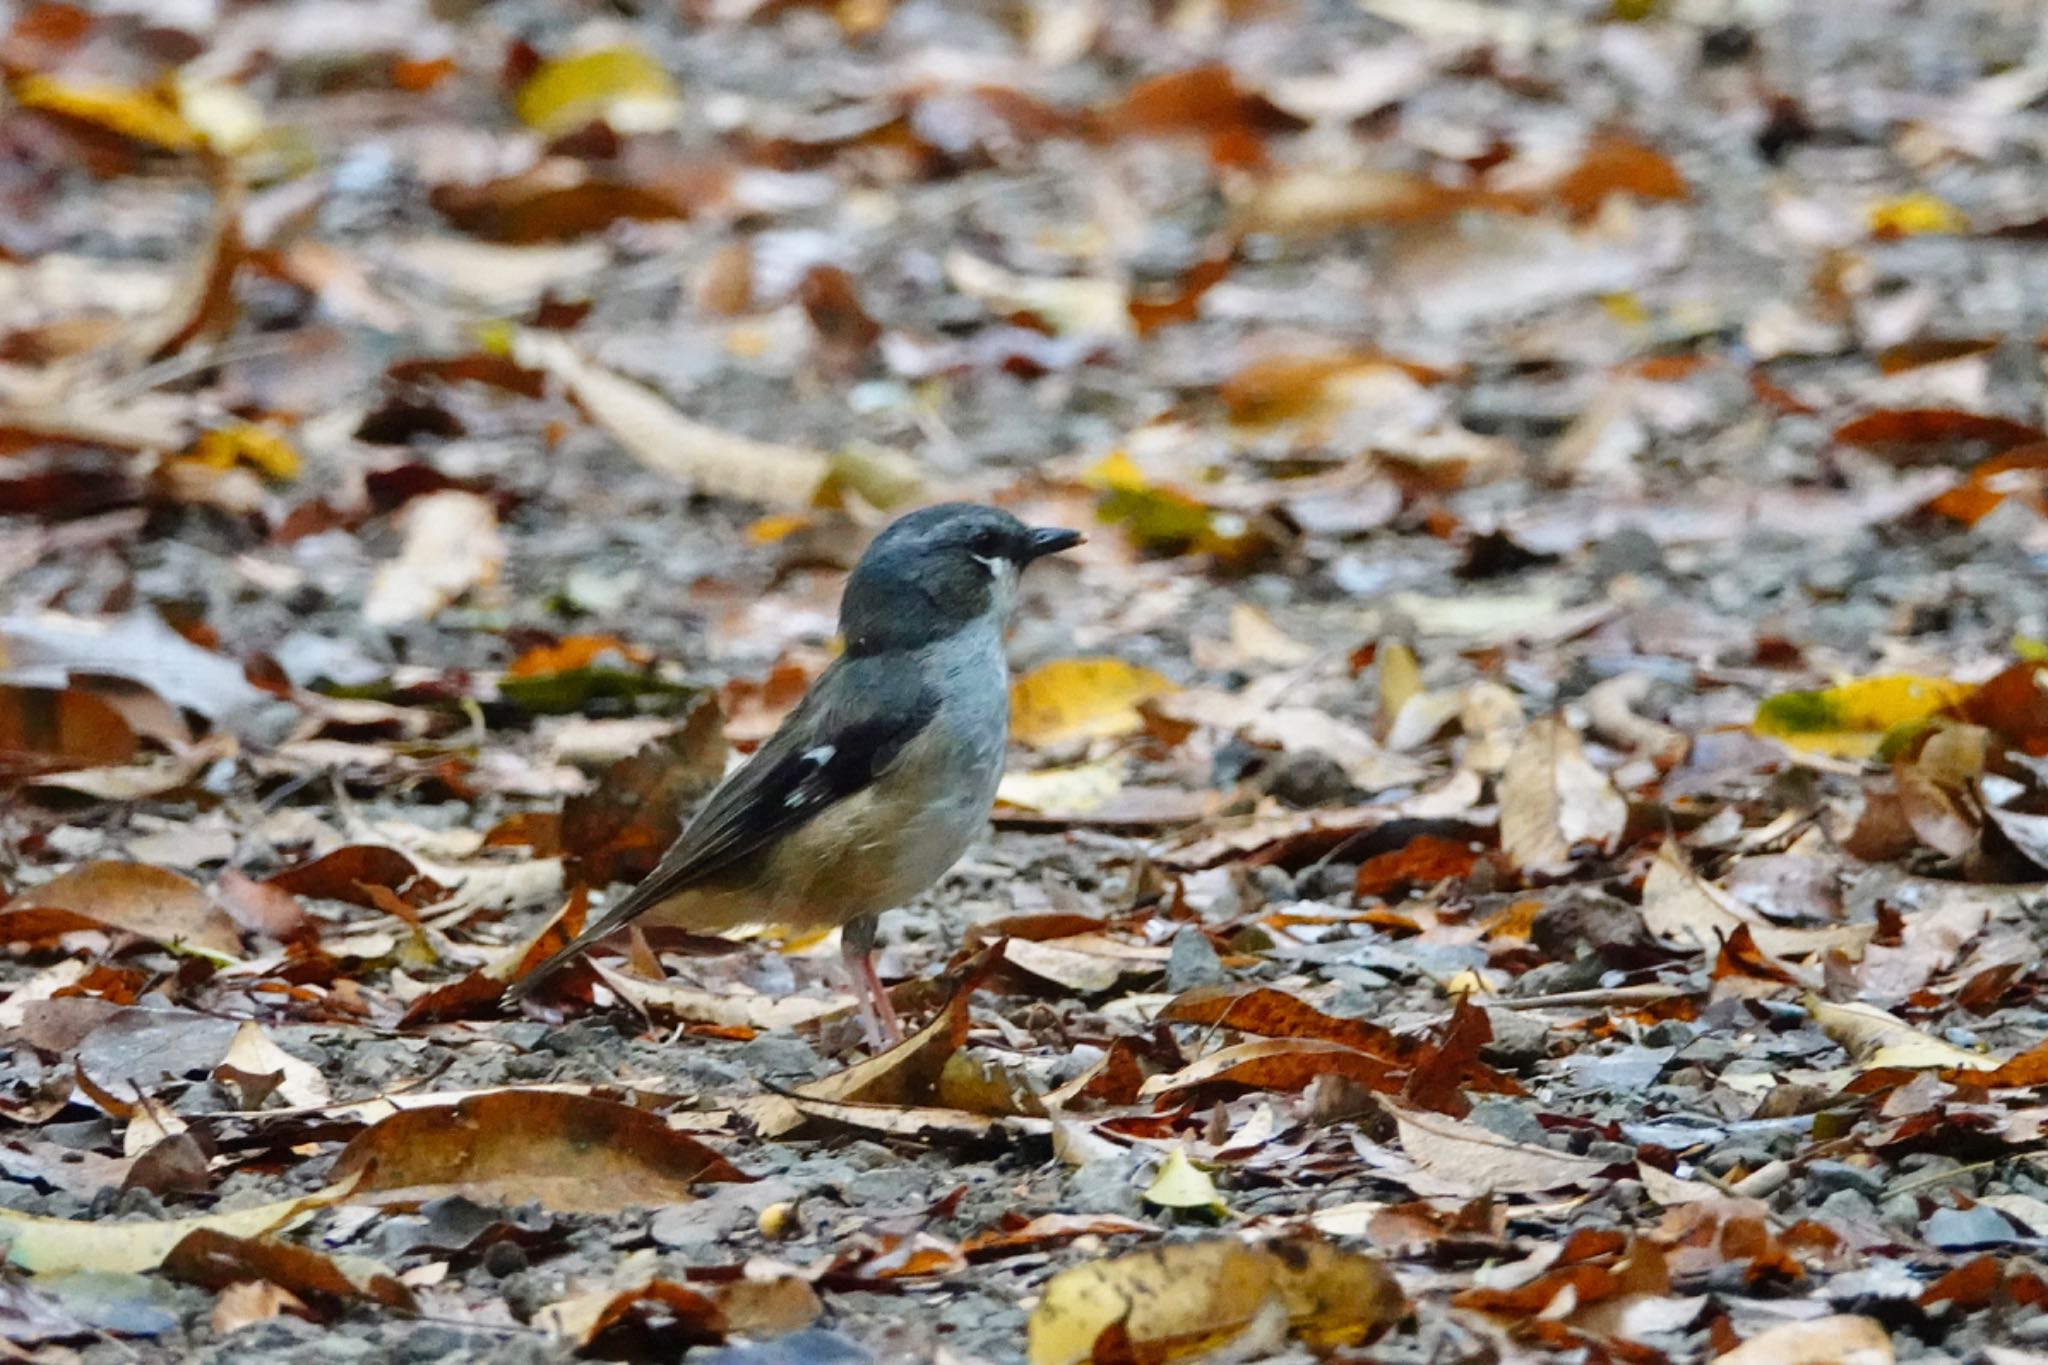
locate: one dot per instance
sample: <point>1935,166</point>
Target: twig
<point>1613,995</point>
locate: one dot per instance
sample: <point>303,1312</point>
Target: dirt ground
<point>1561,823</point>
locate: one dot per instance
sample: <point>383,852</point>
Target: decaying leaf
<point>1682,907</point>
<point>572,1153</point>
<point>1466,1160</point>
<point>131,897</point>
<point>1194,1296</point>
<point>215,1259</point>
<point>1553,800</point>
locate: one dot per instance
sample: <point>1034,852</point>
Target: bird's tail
<point>602,928</point>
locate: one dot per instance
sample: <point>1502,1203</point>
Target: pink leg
<point>857,948</point>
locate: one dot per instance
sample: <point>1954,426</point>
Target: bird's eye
<point>986,544</point>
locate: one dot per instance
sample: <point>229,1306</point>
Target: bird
<point>883,774</point>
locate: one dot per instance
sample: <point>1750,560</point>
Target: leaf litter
<point>1537,774</point>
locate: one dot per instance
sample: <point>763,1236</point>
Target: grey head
<point>937,570</point>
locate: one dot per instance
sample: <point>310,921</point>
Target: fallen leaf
<point>1180,1184</point>
<point>1469,1160</point>
<point>571,1153</point>
<point>1915,215</point>
<point>2018,473</point>
<point>1272,1013</point>
<point>45,728</point>
<point>908,1073</point>
<point>1909,436</point>
<point>670,1001</point>
<point>46,650</point>
<point>252,1301</point>
<point>1553,800</point>
<point>214,1259</point>
<point>258,1068</point>
<point>144,116</point>
<point>53,1246</point>
<point>1681,907</point>
<point>1852,719</point>
<point>1842,1339</point>
<point>1071,699</point>
<point>716,463</point>
<point>452,544</point>
<point>1078,305</point>
<point>623,86</point>
<point>1878,1040</point>
<point>1280,1064</point>
<point>1189,1296</point>
<point>133,898</point>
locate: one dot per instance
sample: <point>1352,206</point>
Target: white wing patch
<point>819,756</point>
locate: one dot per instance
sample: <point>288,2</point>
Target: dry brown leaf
<point>252,1301</point>
<point>1681,907</point>
<point>1283,1064</point>
<point>572,1153</point>
<point>1273,1013</point>
<point>908,1073</point>
<point>1470,1161</point>
<point>714,462</point>
<point>214,1259</point>
<point>131,897</point>
<point>257,1068</point>
<point>1552,800</point>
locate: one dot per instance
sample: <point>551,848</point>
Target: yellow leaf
<point>1914,215</point>
<point>227,116</point>
<point>250,442</point>
<point>46,1246</point>
<point>1851,720</point>
<point>142,115</point>
<point>1177,1300</point>
<point>1400,678</point>
<point>1180,1184</point>
<point>776,527</point>
<point>1080,699</point>
<point>1066,791</point>
<point>1877,1040</point>
<point>621,85</point>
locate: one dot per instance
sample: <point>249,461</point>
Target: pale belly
<point>880,848</point>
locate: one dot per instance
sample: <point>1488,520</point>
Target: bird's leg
<point>857,948</point>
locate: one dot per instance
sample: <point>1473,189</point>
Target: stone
<point>1962,1229</point>
<point>1830,1176</point>
<point>1193,962</point>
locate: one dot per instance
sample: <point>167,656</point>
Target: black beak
<point>1049,540</point>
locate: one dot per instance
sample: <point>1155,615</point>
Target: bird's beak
<point>1049,540</point>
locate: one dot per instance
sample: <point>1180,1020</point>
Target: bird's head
<point>938,570</point>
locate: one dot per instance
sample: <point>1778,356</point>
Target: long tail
<point>610,921</point>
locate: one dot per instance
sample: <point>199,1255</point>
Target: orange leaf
<point>1616,165</point>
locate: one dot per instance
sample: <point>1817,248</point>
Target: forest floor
<point>1527,823</point>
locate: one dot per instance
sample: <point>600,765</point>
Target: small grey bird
<point>883,774</point>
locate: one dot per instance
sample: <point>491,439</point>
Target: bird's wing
<point>851,725</point>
